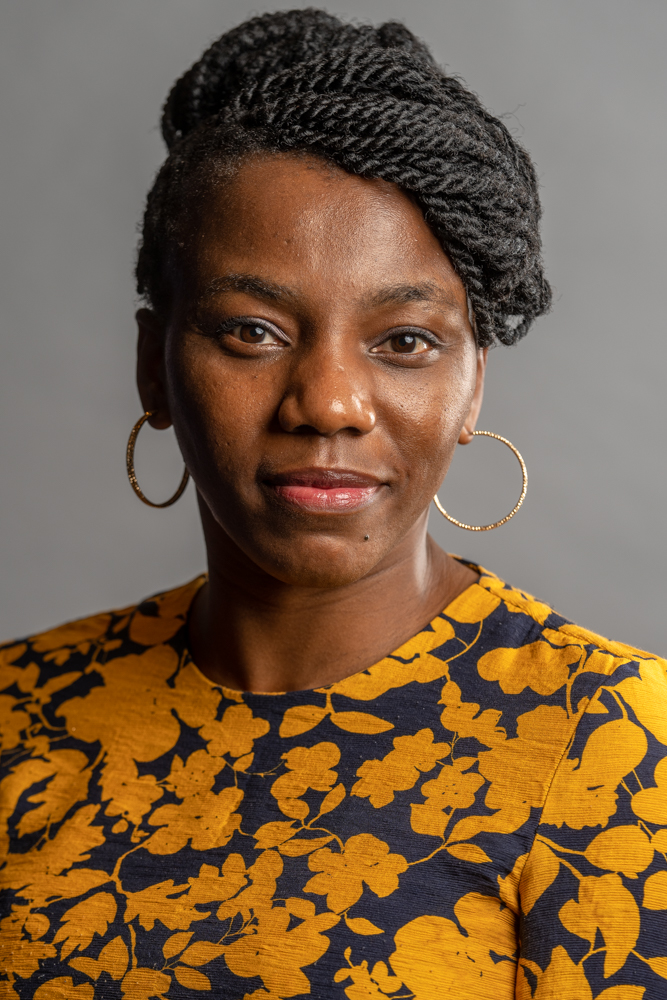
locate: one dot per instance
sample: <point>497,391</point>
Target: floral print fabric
<point>482,815</point>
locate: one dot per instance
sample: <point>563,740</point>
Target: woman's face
<point>318,365</point>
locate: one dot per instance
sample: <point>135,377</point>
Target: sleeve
<point>593,891</point>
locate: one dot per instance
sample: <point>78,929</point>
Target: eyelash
<point>424,335</point>
<point>228,325</point>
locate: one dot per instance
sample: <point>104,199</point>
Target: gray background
<point>584,84</point>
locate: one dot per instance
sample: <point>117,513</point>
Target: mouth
<point>324,490</point>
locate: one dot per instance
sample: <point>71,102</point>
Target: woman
<point>299,775</point>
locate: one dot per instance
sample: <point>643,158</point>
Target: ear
<point>150,368</point>
<point>465,437</point>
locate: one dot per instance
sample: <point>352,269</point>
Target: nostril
<point>310,411</point>
<point>305,429</point>
<point>309,429</point>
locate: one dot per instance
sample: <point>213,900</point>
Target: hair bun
<point>240,58</point>
<point>264,46</point>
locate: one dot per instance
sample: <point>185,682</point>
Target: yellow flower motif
<point>583,792</point>
<point>367,985</point>
<point>25,677</point>
<point>236,733</point>
<point>113,958</point>
<point>15,956</point>
<point>75,838</point>
<point>139,684</point>
<point>473,605</point>
<point>205,820</point>
<point>624,849</point>
<point>341,878</point>
<point>213,886</point>
<point>434,959</point>
<point>640,694</point>
<point>561,979</point>
<point>69,776</point>
<point>172,608</point>
<point>74,635</point>
<point>400,769</point>
<point>465,720</point>
<point>651,803</point>
<point>197,775</point>
<point>604,905</point>
<point>278,954</point>
<point>194,700</point>
<point>308,768</point>
<point>13,721</point>
<point>128,793</point>
<point>145,984</point>
<point>81,922</point>
<point>63,988</point>
<point>452,789</point>
<point>515,785</point>
<point>163,901</point>
<point>538,666</point>
<point>257,897</point>
<point>655,891</point>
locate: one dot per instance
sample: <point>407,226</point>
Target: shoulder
<point>55,664</point>
<point>530,618</point>
<point>557,681</point>
<point>595,869</point>
<point>51,645</point>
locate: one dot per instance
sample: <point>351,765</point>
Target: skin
<point>339,271</point>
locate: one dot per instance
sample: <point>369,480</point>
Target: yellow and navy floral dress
<point>481,815</point>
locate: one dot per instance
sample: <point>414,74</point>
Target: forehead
<point>298,220</point>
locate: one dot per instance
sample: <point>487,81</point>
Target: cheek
<point>426,421</point>
<point>217,414</point>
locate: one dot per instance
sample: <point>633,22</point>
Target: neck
<point>252,632</point>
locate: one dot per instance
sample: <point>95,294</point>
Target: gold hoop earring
<point>131,475</point>
<point>496,524</point>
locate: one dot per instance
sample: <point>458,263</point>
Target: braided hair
<point>373,102</point>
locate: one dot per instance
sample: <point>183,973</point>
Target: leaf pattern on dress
<point>482,814</point>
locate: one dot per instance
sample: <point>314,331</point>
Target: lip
<point>324,490</point>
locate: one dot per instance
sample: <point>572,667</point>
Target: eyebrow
<point>399,294</point>
<point>250,283</point>
<point>262,288</point>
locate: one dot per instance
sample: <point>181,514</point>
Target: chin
<point>321,566</point>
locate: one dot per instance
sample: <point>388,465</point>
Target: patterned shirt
<point>482,815</point>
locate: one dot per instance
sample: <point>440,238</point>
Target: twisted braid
<point>372,101</point>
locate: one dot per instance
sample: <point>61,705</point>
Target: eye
<point>253,333</point>
<point>404,343</point>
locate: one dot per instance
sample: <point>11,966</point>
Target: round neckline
<point>237,694</point>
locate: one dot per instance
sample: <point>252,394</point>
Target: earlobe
<point>150,368</point>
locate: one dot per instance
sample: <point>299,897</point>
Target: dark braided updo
<point>372,101</point>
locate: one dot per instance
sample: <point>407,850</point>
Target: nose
<point>327,393</point>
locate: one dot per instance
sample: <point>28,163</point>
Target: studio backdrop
<point>583,83</point>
